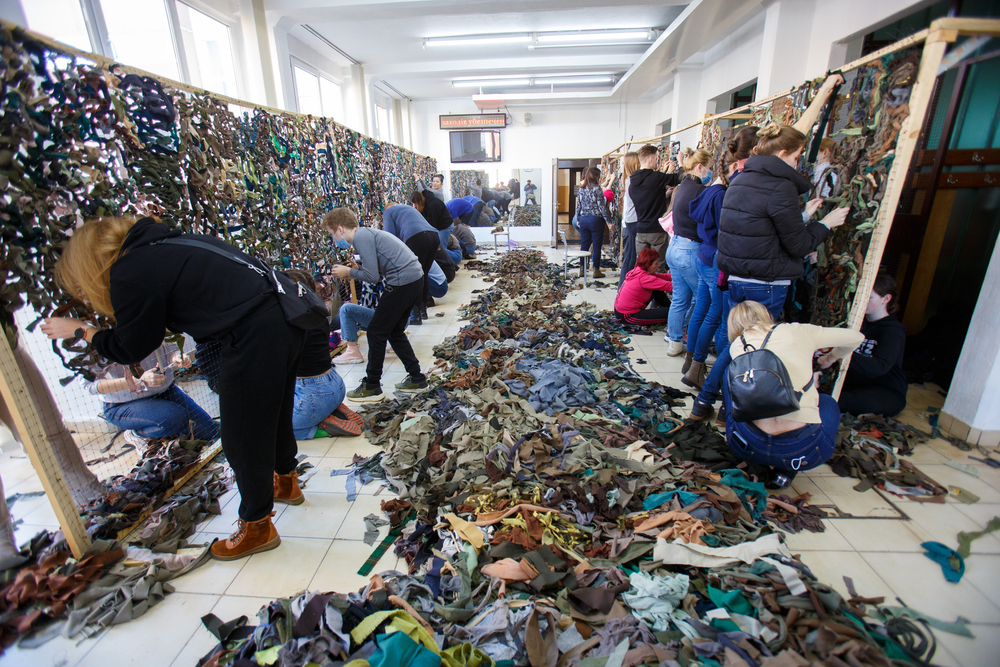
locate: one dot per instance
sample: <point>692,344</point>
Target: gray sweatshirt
<point>384,256</point>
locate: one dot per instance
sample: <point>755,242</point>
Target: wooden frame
<point>936,39</point>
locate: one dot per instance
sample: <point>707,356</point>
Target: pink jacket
<point>638,289</point>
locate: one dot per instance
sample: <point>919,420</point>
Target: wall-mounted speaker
<point>527,119</point>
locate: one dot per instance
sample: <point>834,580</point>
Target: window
<point>382,127</point>
<point>61,20</point>
<point>140,35</point>
<point>333,99</point>
<point>209,51</point>
<point>307,91</point>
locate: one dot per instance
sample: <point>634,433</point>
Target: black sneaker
<point>781,479</point>
<point>412,385</point>
<point>365,394</point>
<point>720,419</point>
<point>414,321</point>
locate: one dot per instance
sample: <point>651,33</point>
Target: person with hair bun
<point>642,285</point>
<point>875,381</point>
<point>682,253</point>
<point>762,238</point>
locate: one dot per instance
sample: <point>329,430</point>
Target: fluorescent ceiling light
<point>490,84</point>
<point>497,77</point>
<point>605,36</point>
<point>573,80</point>
<point>532,75</point>
<point>476,39</point>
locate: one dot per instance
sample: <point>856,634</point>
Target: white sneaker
<point>133,438</point>
<point>666,336</point>
<point>676,348</point>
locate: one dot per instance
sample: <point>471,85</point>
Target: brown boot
<point>598,273</point>
<point>688,358</point>
<point>286,489</point>
<point>251,537</point>
<point>695,377</point>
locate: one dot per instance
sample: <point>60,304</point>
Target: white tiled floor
<point>322,548</point>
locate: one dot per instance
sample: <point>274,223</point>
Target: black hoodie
<point>435,212</point>
<point>761,233</point>
<point>196,291</point>
<point>648,191</point>
<point>879,360</point>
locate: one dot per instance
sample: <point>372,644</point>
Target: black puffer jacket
<point>435,212</point>
<point>761,233</point>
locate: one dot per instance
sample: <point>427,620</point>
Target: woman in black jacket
<point>118,267</point>
<point>764,236</point>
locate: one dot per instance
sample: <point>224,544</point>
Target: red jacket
<point>638,289</point>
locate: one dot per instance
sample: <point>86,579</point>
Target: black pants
<point>873,399</point>
<point>424,245</point>
<point>389,324</point>
<point>257,364</point>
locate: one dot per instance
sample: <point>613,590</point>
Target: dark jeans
<point>389,324</point>
<point>592,237</point>
<point>874,399</point>
<point>802,449</point>
<point>424,245</point>
<point>628,252</point>
<point>257,365</point>
<point>162,415</point>
<point>771,296</point>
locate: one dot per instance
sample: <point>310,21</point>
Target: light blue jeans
<point>682,255</point>
<point>707,311</point>
<point>445,235</point>
<point>315,399</point>
<point>352,318</point>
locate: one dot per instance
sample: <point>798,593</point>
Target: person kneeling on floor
<point>802,439</point>
<point>875,381</point>
<point>382,256</point>
<point>641,286</point>
<point>318,411</point>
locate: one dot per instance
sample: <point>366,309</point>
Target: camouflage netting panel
<point>463,181</point>
<point>79,141</point>
<point>865,120</point>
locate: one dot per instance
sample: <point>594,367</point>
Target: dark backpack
<point>759,386</point>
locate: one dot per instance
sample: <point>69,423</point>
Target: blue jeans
<point>437,290</point>
<point>682,255</point>
<point>628,251</point>
<point>707,311</point>
<point>315,399</point>
<point>445,235</point>
<point>802,449</point>
<point>771,296</point>
<point>456,255</point>
<point>164,415</point>
<point>592,237</point>
<point>352,318</point>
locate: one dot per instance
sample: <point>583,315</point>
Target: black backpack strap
<point>746,344</point>
<point>809,384</point>
<point>194,243</point>
<point>768,336</point>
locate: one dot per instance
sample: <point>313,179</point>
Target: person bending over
<point>466,239</point>
<point>805,438</point>
<point>383,256</point>
<point>130,271</point>
<point>152,406</point>
<point>433,209</point>
<point>641,286</point>
<point>319,389</point>
<point>875,382</point>
<point>406,224</point>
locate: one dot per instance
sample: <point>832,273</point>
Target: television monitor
<point>475,146</point>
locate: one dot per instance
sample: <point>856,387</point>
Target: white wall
<point>556,131</point>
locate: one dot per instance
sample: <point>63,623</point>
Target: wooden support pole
<point>906,145</point>
<point>17,396</point>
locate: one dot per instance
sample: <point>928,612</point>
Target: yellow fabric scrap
<point>401,622</point>
<point>468,531</point>
<point>268,656</point>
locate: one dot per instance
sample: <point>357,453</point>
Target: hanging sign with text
<point>474,121</point>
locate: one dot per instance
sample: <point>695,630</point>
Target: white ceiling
<point>386,37</point>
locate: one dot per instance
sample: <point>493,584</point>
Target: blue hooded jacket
<point>404,221</point>
<point>705,209</point>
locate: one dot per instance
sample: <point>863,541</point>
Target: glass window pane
<point>209,51</point>
<point>333,99</point>
<point>382,123</point>
<point>61,20</point>
<point>307,90</point>
<point>140,35</point>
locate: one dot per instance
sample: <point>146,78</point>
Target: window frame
<point>309,68</point>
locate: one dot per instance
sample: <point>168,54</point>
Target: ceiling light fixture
<point>491,84</point>
<point>552,39</point>
<point>602,36</point>
<point>574,80</point>
<point>477,39</point>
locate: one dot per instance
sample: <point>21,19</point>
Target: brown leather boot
<point>286,489</point>
<point>695,377</point>
<point>688,358</point>
<point>251,537</point>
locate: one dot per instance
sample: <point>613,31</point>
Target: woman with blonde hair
<point>804,438</point>
<point>682,253</point>
<point>630,164</point>
<point>146,279</point>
